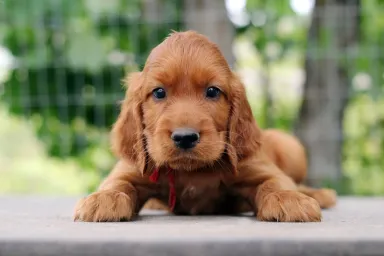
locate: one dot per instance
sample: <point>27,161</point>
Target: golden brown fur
<point>234,167</point>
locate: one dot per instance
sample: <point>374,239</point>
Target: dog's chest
<point>199,193</point>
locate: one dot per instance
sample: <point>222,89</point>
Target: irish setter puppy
<point>186,136</point>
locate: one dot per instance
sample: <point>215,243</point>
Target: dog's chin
<point>186,164</point>
<point>189,162</point>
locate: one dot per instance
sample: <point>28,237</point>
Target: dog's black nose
<point>185,138</point>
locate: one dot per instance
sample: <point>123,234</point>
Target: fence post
<point>209,17</point>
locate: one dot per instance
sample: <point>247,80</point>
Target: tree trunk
<point>334,30</point>
<point>209,17</point>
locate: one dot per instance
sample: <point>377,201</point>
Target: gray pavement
<point>43,226</point>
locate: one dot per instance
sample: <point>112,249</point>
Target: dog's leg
<point>156,204</point>
<point>273,194</point>
<point>120,197</point>
<point>325,197</point>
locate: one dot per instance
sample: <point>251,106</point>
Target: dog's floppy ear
<point>243,132</point>
<point>127,133</point>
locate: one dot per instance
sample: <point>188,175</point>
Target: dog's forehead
<point>183,43</point>
<point>187,55</point>
<point>186,48</point>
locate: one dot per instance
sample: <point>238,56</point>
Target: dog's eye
<point>212,92</point>
<point>159,93</point>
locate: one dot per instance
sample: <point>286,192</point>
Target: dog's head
<point>185,110</point>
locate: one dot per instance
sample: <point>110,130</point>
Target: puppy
<point>186,136</point>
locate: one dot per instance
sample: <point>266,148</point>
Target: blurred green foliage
<point>363,150</point>
<point>71,57</point>
<point>72,54</point>
<point>278,34</point>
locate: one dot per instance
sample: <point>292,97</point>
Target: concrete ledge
<point>43,226</point>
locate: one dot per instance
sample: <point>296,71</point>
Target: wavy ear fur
<point>127,133</point>
<point>243,132</point>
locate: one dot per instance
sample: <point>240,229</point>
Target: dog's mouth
<point>192,160</point>
<point>182,156</point>
<point>187,166</point>
<point>186,160</point>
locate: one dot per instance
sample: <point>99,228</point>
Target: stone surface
<point>43,226</point>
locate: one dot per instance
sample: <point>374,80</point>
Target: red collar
<point>171,182</point>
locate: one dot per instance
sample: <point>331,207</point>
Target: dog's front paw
<point>103,206</point>
<point>288,206</point>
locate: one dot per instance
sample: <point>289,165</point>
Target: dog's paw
<point>103,206</point>
<point>325,197</point>
<point>288,206</point>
